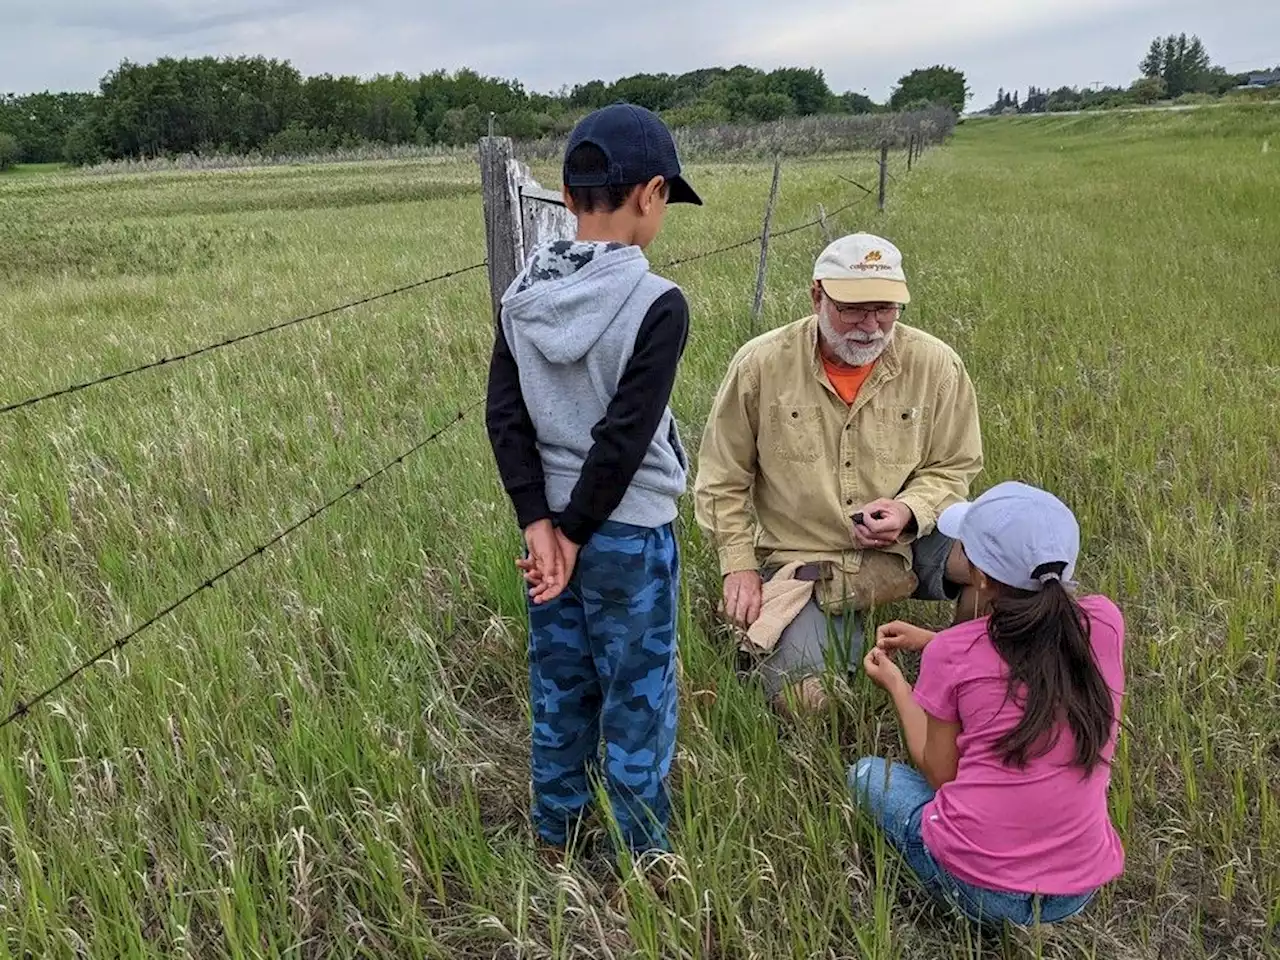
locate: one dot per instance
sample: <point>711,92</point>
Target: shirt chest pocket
<point>796,432</point>
<point>901,435</point>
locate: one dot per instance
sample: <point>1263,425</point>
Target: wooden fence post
<point>518,214</point>
<point>884,171</point>
<point>758,304</point>
<point>501,216</point>
<point>911,152</point>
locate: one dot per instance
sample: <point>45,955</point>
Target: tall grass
<point>326,755</point>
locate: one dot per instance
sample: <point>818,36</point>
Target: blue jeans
<point>895,795</point>
<point>602,666</point>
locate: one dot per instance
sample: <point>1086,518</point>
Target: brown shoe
<point>807,695</point>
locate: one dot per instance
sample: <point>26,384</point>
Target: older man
<point>833,444</point>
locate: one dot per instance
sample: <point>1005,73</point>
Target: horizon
<point>996,44</point>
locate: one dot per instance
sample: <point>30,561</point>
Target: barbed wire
<point>232,341</point>
<point>23,707</point>
<point>867,190</point>
<point>750,241</point>
<point>273,328</point>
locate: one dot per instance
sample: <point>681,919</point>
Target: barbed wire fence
<point>518,215</point>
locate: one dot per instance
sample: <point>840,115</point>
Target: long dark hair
<point>1044,639</point>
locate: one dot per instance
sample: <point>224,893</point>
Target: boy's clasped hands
<point>550,562</point>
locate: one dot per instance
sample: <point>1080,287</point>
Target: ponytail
<point>1043,637</point>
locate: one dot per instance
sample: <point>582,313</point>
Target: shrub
<point>10,151</point>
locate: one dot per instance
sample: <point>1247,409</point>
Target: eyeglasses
<point>860,312</point>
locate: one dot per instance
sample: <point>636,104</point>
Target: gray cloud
<point>863,46</point>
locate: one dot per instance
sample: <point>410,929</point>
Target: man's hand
<point>544,567</point>
<point>743,597</point>
<point>882,670</point>
<point>880,524</point>
<point>902,636</point>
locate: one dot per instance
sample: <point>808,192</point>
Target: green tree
<point>937,84</point>
<point>1148,90</point>
<point>652,91</point>
<point>806,89</point>
<point>10,151</point>
<point>855,103</point>
<point>83,144</point>
<point>767,107</point>
<point>1182,63</point>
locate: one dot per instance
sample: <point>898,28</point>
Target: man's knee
<point>813,641</point>
<point>940,566</point>
<point>957,568</point>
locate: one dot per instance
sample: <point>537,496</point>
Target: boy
<point>584,360</point>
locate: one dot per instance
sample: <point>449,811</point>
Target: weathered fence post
<point>758,304</point>
<point>501,216</point>
<point>518,214</point>
<point>826,227</point>
<point>884,170</point>
<point>911,152</point>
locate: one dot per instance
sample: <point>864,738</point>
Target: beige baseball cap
<point>862,268</point>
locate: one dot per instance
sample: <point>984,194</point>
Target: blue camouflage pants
<point>602,665</point>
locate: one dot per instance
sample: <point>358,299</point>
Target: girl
<point>1011,726</point>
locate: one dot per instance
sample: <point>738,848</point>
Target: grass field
<point>326,754</point>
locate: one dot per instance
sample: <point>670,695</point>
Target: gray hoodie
<point>593,339</point>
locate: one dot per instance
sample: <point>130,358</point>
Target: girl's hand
<point>902,636</point>
<point>882,670</point>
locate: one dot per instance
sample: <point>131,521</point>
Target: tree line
<point>254,104</point>
<point>1174,66</point>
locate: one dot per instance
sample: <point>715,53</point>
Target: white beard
<point>855,349</point>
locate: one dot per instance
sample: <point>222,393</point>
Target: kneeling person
<point>833,444</point>
<point>1011,726</point>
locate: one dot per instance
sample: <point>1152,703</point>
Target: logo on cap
<point>871,261</point>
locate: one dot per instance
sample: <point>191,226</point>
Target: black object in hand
<point>860,519</point>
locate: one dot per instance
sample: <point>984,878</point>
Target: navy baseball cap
<point>638,147</point>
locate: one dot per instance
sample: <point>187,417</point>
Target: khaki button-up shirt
<point>784,463</point>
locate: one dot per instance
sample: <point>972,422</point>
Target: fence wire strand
<point>232,341</point>
<point>253,334</point>
<point>774,234</point>
<point>23,707</point>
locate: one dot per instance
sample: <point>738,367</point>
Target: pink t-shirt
<point>1043,829</point>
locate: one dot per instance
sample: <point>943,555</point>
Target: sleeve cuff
<point>926,516</point>
<point>530,505</point>
<point>577,527</point>
<point>737,560</point>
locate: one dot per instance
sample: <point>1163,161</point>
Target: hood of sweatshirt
<point>569,294</point>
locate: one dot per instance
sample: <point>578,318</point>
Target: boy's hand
<point>543,568</point>
<point>882,670</point>
<point>902,636</point>
<point>568,556</point>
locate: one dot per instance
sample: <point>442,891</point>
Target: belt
<point>812,572</point>
<point>808,573</point>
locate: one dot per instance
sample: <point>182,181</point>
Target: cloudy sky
<point>860,45</point>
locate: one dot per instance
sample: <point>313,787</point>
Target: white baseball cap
<point>862,268</point>
<point>1018,535</point>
